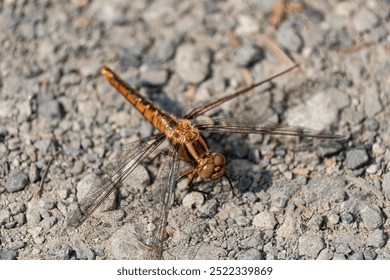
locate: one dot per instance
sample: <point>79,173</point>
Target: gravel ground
<point>294,199</point>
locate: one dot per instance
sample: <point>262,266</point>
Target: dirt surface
<point>61,123</point>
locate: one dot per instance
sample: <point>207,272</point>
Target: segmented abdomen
<point>159,118</point>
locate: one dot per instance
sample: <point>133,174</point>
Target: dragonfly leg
<point>191,173</point>
<point>230,184</point>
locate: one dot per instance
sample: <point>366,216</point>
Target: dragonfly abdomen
<point>159,118</point>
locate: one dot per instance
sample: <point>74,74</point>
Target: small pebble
<point>4,216</point>
<point>310,246</point>
<point>289,38</point>
<point>356,158</point>
<point>386,185</point>
<point>376,239</point>
<point>192,63</point>
<point>315,16</point>
<point>364,20</point>
<point>16,181</point>
<point>369,255</point>
<point>334,219</point>
<point>371,216</point>
<point>264,221</point>
<point>193,200</point>
<point>250,254</point>
<point>247,55</point>
<point>346,218</point>
<point>154,78</point>
<point>51,109</point>
<point>8,255</point>
<point>33,174</point>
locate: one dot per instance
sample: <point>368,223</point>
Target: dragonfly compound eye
<point>219,159</point>
<point>207,171</point>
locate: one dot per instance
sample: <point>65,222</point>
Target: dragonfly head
<point>214,166</point>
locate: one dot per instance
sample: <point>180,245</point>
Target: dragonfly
<point>187,144</point>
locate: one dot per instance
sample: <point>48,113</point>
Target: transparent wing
<point>200,110</point>
<point>166,182</point>
<point>250,126</point>
<point>127,160</point>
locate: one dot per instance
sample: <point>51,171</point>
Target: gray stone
<point>51,109</point>
<point>78,167</point>
<point>209,209</point>
<point>17,245</point>
<point>84,186</point>
<point>310,246</point>
<point>82,251</point>
<point>356,158</point>
<point>139,179</point>
<point>333,219</point>
<point>86,143</point>
<point>168,47</point>
<point>192,63</point>
<point>343,249</point>
<point>4,216</point>
<point>19,219</point>
<point>33,174</point>
<point>48,222</point>
<point>89,70</point>
<point>17,207</point>
<point>376,239</point>
<point>357,256</point>
<point>338,256</point>
<point>16,181</point>
<point>70,79</point>
<point>124,245</point>
<point>233,209</point>
<point>320,111</point>
<point>117,215</point>
<point>386,185</point>
<point>372,103</point>
<point>288,228</point>
<point>154,78</point>
<point>315,16</point>
<point>247,55</point>
<point>346,218</point>
<point>252,242</point>
<point>364,20</point>
<point>8,255</point>
<point>289,38</point>
<point>369,255</point>
<point>250,254</point>
<point>326,149</point>
<point>206,251</point>
<point>4,166</point>
<point>371,216</point>
<point>325,254</point>
<point>32,214</point>
<point>193,200</point>
<point>127,58</point>
<point>265,221</point>
<point>243,221</point>
<point>246,25</point>
<point>316,221</point>
<point>42,145</point>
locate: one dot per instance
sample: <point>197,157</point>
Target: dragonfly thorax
<point>183,133</point>
<point>212,166</point>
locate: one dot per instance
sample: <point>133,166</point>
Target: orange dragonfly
<point>187,144</point>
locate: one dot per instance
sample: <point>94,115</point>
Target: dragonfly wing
<point>250,126</point>
<point>165,186</point>
<point>126,161</point>
<point>200,110</point>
